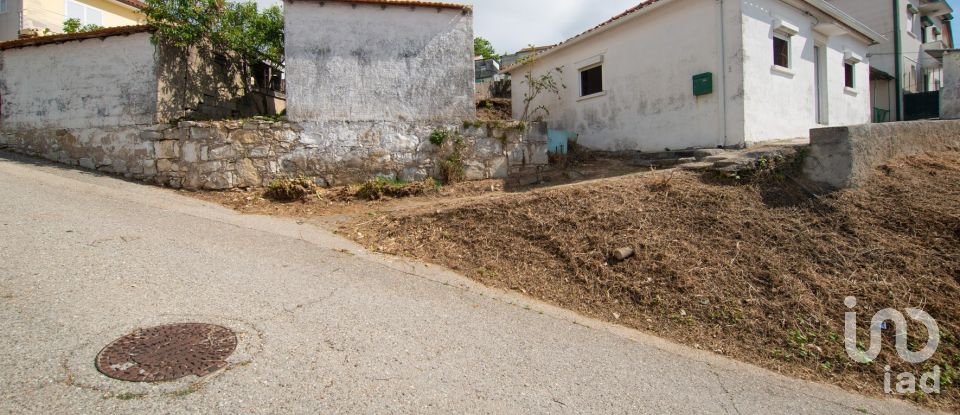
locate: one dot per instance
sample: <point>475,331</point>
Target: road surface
<point>323,326</point>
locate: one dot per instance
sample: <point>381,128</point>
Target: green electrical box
<point>703,84</point>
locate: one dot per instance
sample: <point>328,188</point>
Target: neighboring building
<point>732,72</point>
<point>507,61</point>
<point>36,17</point>
<point>924,26</point>
<point>485,69</point>
<point>397,61</point>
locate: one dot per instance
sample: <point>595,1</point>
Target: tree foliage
<point>237,28</point>
<point>550,82</point>
<point>483,47</point>
<point>74,26</point>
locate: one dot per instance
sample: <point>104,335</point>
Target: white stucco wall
<point>878,15</point>
<point>782,105</point>
<point>79,84</point>
<point>365,62</point>
<point>648,65</point>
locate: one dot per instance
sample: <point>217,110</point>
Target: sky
<point>512,25</point>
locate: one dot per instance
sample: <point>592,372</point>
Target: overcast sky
<point>513,24</point>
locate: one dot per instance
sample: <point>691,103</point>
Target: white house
<point>676,74</point>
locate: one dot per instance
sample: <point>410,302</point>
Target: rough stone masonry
<point>219,155</point>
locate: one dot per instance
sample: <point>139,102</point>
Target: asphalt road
<point>324,327</point>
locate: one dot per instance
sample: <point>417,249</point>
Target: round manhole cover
<point>166,353</point>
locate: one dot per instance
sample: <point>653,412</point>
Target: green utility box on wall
<point>703,84</point>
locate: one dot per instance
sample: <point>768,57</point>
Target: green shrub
<point>290,189</point>
<point>452,170</point>
<point>383,187</point>
<point>439,136</point>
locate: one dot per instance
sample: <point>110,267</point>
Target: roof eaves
<point>409,3</point>
<point>847,20</point>
<point>139,5</point>
<point>611,23</point>
<point>68,37</point>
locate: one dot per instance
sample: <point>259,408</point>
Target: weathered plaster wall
<point>950,93</point>
<point>648,65</point>
<point>364,62</point>
<point>92,83</point>
<point>846,156</point>
<point>233,154</point>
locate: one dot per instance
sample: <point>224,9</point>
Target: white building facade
<point>678,74</point>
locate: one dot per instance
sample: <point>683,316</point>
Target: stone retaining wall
<point>846,156</point>
<point>243,154</point>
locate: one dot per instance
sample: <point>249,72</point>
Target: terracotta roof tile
<point>612,20</point>
<point>626,13</point>
<point>67,37</point>
<point>134,3</point>
<point>411,3</point>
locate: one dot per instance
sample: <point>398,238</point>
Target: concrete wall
<point>783,104</point>
<point>648,65</point>
<point>367,62</point>
<point>847,156</point>
<point>91,83</point>
<point>950,93</point>
<point>233,154</point>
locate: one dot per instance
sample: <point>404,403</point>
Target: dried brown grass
<point>757,271</point>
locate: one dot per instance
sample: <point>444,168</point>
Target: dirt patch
<point>495,109</point>
<point>758,271</point>
<point>332,206</point>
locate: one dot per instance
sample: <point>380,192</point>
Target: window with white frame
<point>85,14</point>
<point>849,75</point>
<point>850,61</point>
<point>781,50</point>
<point>783,32</point>
<point>3,6</point>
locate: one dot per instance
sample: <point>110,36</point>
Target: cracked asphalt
<point>324,326</point>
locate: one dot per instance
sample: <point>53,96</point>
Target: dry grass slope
<point>757,271</point>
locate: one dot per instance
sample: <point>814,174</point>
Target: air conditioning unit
<point>29,32</point>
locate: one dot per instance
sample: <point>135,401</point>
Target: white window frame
<point>603,90</point>
<point>4,5</point>
<point>853,74</point>
<point>593,62</point>
<point>852,59</point>
<point>786,38</point>
<point>785,31</point>
<point>85,20</point>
